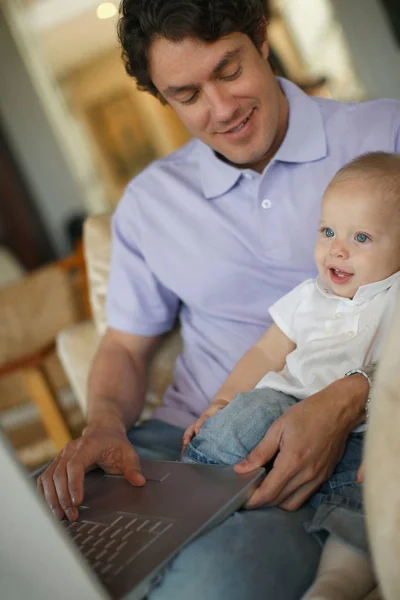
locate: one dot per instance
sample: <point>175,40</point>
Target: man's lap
<point>264,553</point>
<point>253,554</point>
<point>156,440</point>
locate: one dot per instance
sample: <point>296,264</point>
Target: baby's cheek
<point>319,254</point>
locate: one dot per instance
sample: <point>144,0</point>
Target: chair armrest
<point>24,362</point>
<point>76,347</point>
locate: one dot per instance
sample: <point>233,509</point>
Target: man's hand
<point>195,427</point>
<point>62,482</point>
<point>307,442</point>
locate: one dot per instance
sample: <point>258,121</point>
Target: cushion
<point>97,244</point>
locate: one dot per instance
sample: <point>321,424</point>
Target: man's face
<point>359,239</point>
<point>225,94</point>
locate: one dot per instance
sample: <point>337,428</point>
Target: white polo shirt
<point>332,334</point>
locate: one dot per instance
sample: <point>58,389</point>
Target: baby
<point>322,330</point>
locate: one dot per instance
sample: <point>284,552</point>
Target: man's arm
<point>117,380</point>
<point>306,443</point>
<point>116,392</point>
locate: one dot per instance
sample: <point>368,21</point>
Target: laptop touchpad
<point>155,471</point>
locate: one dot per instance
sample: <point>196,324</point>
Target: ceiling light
<point>106,10</point>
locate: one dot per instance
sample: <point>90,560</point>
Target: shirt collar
<point>364,293</point>
<point>305,141</point>
<point>216,176</point>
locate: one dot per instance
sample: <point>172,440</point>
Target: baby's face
<point>359,238</point>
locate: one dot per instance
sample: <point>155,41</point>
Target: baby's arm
<point>268,354</point>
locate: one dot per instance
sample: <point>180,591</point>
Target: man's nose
<point>339,249</point>
<point>223,105</point>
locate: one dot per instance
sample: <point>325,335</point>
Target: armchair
<point>76,346</point>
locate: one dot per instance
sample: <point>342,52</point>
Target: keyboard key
<point>116,533</point>
<point>122,546</point>
<point>106,569</point>
<point>131,523</point>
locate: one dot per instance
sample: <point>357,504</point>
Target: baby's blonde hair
<point>380,169</point>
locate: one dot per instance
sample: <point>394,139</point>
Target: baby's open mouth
<point>339,276</point>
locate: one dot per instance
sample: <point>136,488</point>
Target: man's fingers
<point>261,454</point>
<point>282,481</point>
<point>61,484</point>
<point>299,497</point>
<point>131,468</point>
<point>75,477</point>
<point>134,476</point>
<point>286,480</point>
<point>269,490</point>
<point>84,457</point>
<point>45,485</point>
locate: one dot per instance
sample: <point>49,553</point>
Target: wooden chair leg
<point>43,396</point>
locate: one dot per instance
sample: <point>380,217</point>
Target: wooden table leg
<point>42,395</point>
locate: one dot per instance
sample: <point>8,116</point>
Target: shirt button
<point>247,175</point>
<point>266,203</point>
<point>350,334</point>
<point>338,315</point>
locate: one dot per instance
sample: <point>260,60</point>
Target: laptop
<point>124,537</point>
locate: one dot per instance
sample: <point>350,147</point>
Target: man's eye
<point>191,99</point>
<point>362,238</point>
<point>232,75</point>
<point>329,233</point>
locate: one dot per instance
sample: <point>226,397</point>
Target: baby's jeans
<point>231,434</point>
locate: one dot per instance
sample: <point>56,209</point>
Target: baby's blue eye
<point>329,232</point>
<point>361,237</point>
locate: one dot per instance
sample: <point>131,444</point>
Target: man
<point>213,235</point>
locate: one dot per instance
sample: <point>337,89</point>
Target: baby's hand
<point>195,427</point>
<point>360,474</point>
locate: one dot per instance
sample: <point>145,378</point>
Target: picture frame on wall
<point>121,136</point>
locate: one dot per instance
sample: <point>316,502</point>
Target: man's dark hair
<point>143,21</point>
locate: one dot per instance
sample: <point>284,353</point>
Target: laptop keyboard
<point>110,542</point>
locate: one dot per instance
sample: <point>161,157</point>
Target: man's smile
<point>240,126</point>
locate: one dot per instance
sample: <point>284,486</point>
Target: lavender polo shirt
<point>215,246</point>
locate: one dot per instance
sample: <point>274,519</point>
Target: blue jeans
<point>230,435</point>
<point>248,556</point>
